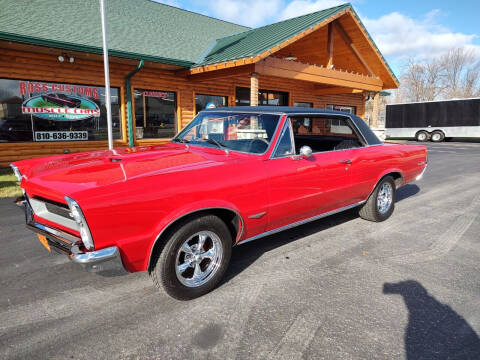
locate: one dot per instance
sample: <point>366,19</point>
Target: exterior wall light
<point>61,58</point>
<point>290,57</point>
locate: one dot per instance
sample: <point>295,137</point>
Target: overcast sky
<point>401,29</point>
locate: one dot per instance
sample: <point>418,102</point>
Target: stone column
<point>254,89</point>
<point>375,110</point>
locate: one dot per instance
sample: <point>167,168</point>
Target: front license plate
<point>44,241</point>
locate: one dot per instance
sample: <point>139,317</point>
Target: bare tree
<point>422,81</point>
<point>456,74</point>
<point>461,73</point>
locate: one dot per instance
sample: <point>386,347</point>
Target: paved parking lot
<point>338,288</point>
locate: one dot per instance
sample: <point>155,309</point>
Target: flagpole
<point>107,76</point>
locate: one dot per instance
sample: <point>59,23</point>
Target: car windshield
<point>245,132</point>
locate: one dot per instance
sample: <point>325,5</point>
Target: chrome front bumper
<point>107,259</point>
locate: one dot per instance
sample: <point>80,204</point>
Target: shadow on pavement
<point>406,191</point>
<point>245,255</point>
<point>434,331</point>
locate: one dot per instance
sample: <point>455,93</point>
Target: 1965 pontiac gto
<point>231,176</point>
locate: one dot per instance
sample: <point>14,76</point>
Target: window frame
<point>123,136</point>
<point>292,140</point>
<point>195,94</point>
<point>260,91</point>
<point>270,145</point>
<point>176,122</point>
<point>349,106</point>
<point>349,121</point>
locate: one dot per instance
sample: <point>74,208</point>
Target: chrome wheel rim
<point>384,197</point>
<point>199,258</point>
<point>422,137</point>
<point>436,137</point>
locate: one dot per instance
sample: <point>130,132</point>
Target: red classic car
<point>231,176</point>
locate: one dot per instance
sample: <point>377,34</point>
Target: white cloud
<point>302,7</point>
<point>251,13</point>
<point>256,13</point>
<point>169,2</point>
<point>400,37</point>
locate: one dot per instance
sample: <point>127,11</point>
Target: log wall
<point>25,64</point>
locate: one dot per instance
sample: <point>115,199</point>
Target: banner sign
<point>64,103</point>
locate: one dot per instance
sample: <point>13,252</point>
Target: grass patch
<point>8,184</point>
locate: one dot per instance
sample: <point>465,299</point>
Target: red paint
<point>128,203</point>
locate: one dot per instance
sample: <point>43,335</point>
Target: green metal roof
<point>136,28</point>
<point>255,41</point>
<point>148,30</point>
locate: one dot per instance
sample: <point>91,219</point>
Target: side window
<point>285,145</point>
<point>326,133</point>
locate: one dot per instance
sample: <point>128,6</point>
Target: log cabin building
<point>166,64</point>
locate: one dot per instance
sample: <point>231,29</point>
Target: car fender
<point>386,172</point>
<point>189,209</point>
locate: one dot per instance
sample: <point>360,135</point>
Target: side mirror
<point>305,151</point>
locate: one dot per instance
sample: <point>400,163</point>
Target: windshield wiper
<point>215,142</point>
<point>184,141</point>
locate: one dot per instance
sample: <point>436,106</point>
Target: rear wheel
<point>421,136</point>
<point>381,203</point>
<point>194,259</point>
<point>437,136</point>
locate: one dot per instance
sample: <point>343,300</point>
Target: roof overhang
<point>265,62</point>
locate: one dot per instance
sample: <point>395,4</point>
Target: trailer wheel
<point>437,136</point>
<point>422,136</point>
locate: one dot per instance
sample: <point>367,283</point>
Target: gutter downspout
<point>128,90</point>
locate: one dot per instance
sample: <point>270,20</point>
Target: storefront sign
<point>32,87</point>
<point>47,111</point>
<point>157,94</point>
<point>61,135</point>
<point>60,107</point>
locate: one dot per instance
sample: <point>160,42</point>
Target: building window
<point>203,101</point>
<point>41,111</point>
<point>303,104</point>
<point>242,96</point>
<point>155,114</point>
<point>265,97</point>
<point>348,109</point>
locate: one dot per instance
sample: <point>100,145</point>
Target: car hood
<point>66,174</point>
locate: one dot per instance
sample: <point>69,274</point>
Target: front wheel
<point>381,203</point>
<point>194,259</point>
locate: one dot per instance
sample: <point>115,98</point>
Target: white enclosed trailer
<point>434,120</point>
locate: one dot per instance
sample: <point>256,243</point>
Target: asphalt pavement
<point>337,288</point>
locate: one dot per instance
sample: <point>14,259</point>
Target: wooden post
<point>330,45</point>
<point>254,89</point>
<point>144,110</point>
<point>375,110</point>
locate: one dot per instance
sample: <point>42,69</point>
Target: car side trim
<point>239,235</point>
<point>301,222</point>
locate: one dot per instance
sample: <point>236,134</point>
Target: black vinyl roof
<point>367,133</point>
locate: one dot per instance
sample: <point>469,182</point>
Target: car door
<point>302,187</point>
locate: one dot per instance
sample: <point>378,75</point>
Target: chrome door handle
<point>346,161</point>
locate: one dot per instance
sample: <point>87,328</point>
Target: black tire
<point>437,136</point>
<point>422,136</point>
<point>163,269</point>
<point>370,210</point>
